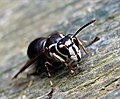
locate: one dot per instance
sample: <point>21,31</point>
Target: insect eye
<point>64,50</point>
<point>63,47</point>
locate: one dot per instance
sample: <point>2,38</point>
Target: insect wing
<point>28,63</point>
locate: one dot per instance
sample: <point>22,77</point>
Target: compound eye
<point>62,46</point>
<point>64,50</point>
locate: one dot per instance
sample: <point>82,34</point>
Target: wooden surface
<point>97,76</point>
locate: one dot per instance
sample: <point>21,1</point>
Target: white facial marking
<point>79,53</point>
<point>74,54</point>
<point>76,48</point>
<point>67,43</point>
<point>71,51</point>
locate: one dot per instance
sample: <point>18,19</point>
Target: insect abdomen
<point>35,47</point>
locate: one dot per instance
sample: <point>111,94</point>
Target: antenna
<point>83,27</point>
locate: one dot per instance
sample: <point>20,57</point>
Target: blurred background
<point>21,21</point>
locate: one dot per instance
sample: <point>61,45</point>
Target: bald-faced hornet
<point>54,50</point>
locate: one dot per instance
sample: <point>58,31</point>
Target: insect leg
<point>84,41</point>
<point>80,43</point>
<point>94,40</point>
<point>48,72</point>
<point>51,83</point>
<point>67,65</point>
<point>90,42</point>
<point>28,63</point>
